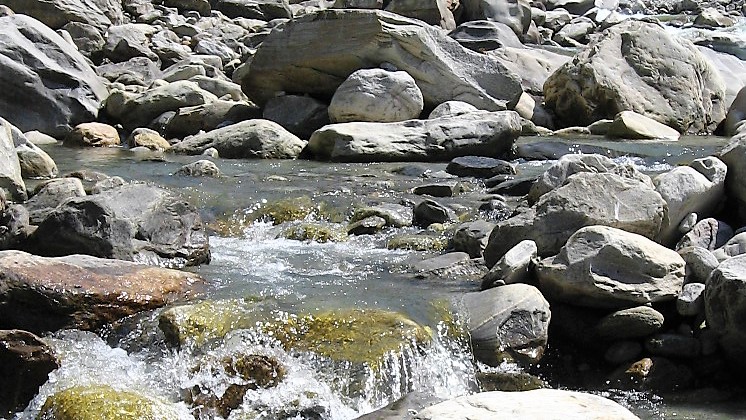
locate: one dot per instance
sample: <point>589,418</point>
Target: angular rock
<point>699,263</point>
<point>527,405</point>
<point>485,35</point>
<point>606,267</point>
<point>11,179</point>
<point>691,300</point>
<point>129,40</point>
<point>698,188</point>
<point>46,83</point>
<point>689,98</point>
<point>25,364</point>
<point>516,14</point>
<point>436,13</point>
<point>367,226</point>
<point>532,65</point>
<point>631,125</point>
<point>453,265</point>
<point>725,306</point>
<point>395,215</point>
<point>98,13</point>
<point>376,95</point>
<point>191,120</point>
<point>93,134</point>
<point>255,9</point>
<point>476,133</point>
<point>130,222</point>
<point>508,322</point>
<point>85,292</point>
<point>50,195</point>
<point>734,247</point>
<point>430,211</point>
<point>636,322</point>
<point>314,54</point>
<point>585,199</point>
<point>479,167</point>
<point>513,267</point>
<point>86,38</point>
<point>262,139</point>
<point>14,227</point>
<point>200,6</point>
<point>472,237</point>
<point>202,167</point>
<point>300,115</point>
<point>708,233</point>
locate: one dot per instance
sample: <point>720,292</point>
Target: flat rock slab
<point>546,404</point>
<point>41,294</point>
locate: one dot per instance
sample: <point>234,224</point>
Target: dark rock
<point>51,194</point>
<point>635,322</point>
<point>472,237</point>
<point>300,115</point>
<point>514,187</point>
<point>653,374</point>
<point>484,35</point>
<point>429,212</point>
<point>25,364</point>
<point>438,190</point>
<point>479,167</point>
<point>368,226</point>
<point>623,351</point>
<point>673,345</point>
<point>509,381</point>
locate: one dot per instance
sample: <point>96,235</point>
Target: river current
<point>308,277</point>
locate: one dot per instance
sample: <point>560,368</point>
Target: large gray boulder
<point>532,65</point>
<point>315,53</point>
<point>57,13</point>
<point>507,322</point>
<point>664,77</point>
<point>698,188</point>
<point>376,95</point>
<point>605,267</point>
<point>477,133</point>
<point>527,405</point>
<point>725,306</point>
<point>11,179</point>
<point>585,199</point>
<point>131,222</point>
<point>734,156</point>
<point>45,83</point>
<point>248,139</point>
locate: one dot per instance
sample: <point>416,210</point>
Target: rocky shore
<point>593,274</point>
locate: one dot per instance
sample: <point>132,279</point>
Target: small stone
<point>699,264</point>
<point>635,322</point>
<point>472,237</point>
<point>691,300</point>
<point>479,167</point>
<point>513,267</point>
<point>202,167</point>
<point>430,211</point>
<point>368,226</point>
<point>438,190</point>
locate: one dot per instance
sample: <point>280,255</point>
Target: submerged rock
<point>417,242</point>
<point>47,294</point>
<point>528,405</point>
<point>102,402</point>
<point>25,364</point>
<point>314,231</point>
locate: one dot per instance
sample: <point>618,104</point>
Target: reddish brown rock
<point>46,294</point>
<point>25,364</point>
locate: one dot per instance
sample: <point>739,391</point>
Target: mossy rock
<point>509,381</point>
<point>102,402</point>
<point>315,231</point>
<point>201,322</point>
<point>355,335</point>
<point>417,242</point>
<point>288,210</point>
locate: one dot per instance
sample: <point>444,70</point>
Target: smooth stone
<point>87,402</point>
<point>527,405</point>
<point>734,156</point>
<point>484,35</point>
<point>636,322</point>
<point>513,267</point>
<point>507,323</point>
<point>145,137</point>
<point>39,138</point>
<point>673,345</point>
<point>35,162</point>
<point>691,300</point>
<point>479,167</point>
<point>451,109</point>
<point>430,211</point>
<point>85,292</point>
<point>623,351</point>
<point>514,187</point>
<point>93,134</point>
<point>199,168</point>
<point>605,267</point>
<point>190,120</point>
<point>438,190</point>
<point>472,237</point>
<point>367,226</point>
<point>440,263</point>
<point>320,232</point>
<point>631,125</point>
<point>699,264</point>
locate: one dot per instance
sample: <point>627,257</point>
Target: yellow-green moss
<point>288,210</point>
<point>417,242</point>
<point>354,335</point>
<point>102,402</point>
<point>210,319</point>
<point>315,231</point>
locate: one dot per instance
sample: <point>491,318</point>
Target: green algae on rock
<point>315,231</point>
<point>210,319</point>
<point>355,335</point>
<point>102,402</point>
<point>417,242</point>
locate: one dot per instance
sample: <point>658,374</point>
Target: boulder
<point>516,14</point>
<point>451,109</point>
<point>129,222</point>
<point>527,405</point>
<point>605,267</point>
<point>725,306</point>
<point>513,267</point>
<point>472,237</point>
<point>314,54</point>
<point>248,139</point>
<point>85,292</point>
<point>11,177</point>
<point>47,85</point>
<point>395,215</point>
<point>736,114</point>
<point>35,162</point>
<point>93,134</point>
<point>734,156</point>
<point>87,39</point>
<point>479,167</point>
<point>300,115</point>
<point>57,13</point>
<point>51,194</point>
<point>507,322</point>
<point>428,212</point>
<point>25,364</point>
<point>436,13</point>
<point>129,40</point>
<point>255,9</point>
<point>485,35</point>
<point>81,402</point>
<point>699,263</point>
<point>201,167</point>
<point>708,233</point>
<point>585,199</point>
<point>636,322</point>
<point>532,65</point>
<point>190,120</point>
<point>631,125</point>
<point>376,95</point>
<point>710,17</point>
<point>691,300</point>
<point>698,188</point>
<point>688,98</point>
<point>477,133</point>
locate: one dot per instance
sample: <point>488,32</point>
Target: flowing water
<point>307,277</point>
